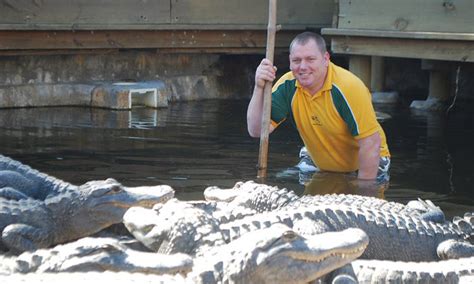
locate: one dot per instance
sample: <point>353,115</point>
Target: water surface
<point>193,145</point>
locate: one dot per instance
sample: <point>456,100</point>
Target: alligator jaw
<point>147,196</point>
<point>311,258</point>
<point>126,197</point>
<point>214,193</point>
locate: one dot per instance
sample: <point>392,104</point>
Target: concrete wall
<point>53,80</point>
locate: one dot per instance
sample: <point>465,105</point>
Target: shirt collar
<point>328,81</point>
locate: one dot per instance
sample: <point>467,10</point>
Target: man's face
<point>309,65</point>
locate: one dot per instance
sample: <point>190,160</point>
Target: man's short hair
<point>304,37</point>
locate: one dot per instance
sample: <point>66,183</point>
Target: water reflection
<point>70,117</point>
<point>431,154</point>
<point>194,145</point>
<point>328,183</point>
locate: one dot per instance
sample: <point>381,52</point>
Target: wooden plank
<point>292,14</point>
<point>397,34</point>
<point>191,39</point>
<point>42,52</point>
<point>79,14</point>
<point>215,50</point>
<point>405,48</point>
<point>160,14</point>
<point>408,15</point>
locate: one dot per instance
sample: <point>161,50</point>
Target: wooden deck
<point>437,32</point>
<point>425,29</point>
<point>231,26</point>
<point>440,30</point>
<point>365,30</point>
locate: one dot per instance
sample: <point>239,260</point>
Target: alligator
<point>174,227</point>
<point>278,255</point>
<point>72,213</point>
<point>95,254</point>
<point>383,271</point>
<point>392,236</point>
<point>465,224</point>
<point>93,277</point>
<point>271,255</point>
<point>256,198</point>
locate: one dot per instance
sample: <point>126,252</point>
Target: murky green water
<point>197,144</point>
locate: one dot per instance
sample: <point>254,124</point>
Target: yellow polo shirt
<point>331,121</point>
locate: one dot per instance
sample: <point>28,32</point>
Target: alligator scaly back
<point>248,198</point>
<point>392,236</point>
<point>275,255</point>
<point>384,271</point>
<point>28,181</point>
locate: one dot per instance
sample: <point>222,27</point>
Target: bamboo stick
<point>267,99</point>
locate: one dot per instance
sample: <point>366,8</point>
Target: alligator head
<point>279,255</point>
<point>250,194</point>
<point>173,227</point>
<point>96,205</point>
<point>100,254</point>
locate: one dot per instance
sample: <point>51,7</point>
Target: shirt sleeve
<point>282,92</point>
<point>362,108</point>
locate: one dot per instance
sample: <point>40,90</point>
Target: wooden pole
<point>267,93</point>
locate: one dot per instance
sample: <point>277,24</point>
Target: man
<point>330,107</point>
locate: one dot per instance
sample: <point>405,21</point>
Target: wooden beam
<point>360,66</point>
<point>377,74</point>
<point>439,85</point>
<point>279,50</point>
<point>56,51</point>
<point>454,50</point>
<point>398,34</point>
<point>234,41</point>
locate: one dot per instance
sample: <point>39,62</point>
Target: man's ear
<point>326,58</point>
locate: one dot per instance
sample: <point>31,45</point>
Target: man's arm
<point>265,72</point>
<point>369,156</point>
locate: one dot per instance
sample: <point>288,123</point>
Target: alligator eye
<point>289,235</point>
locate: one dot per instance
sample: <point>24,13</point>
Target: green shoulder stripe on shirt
<point>281,100</point>
<point>344,110</point>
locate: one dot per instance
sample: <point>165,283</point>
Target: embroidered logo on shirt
<point>315,120</point>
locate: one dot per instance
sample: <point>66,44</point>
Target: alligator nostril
<point>116,188</point>
<point>289,235</point>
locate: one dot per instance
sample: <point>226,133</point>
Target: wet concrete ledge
<point>112,95</point>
